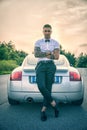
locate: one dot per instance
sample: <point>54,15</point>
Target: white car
<point>67,87</point>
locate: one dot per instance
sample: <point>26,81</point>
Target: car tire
<point>78,102</point>
<point>12,102</point>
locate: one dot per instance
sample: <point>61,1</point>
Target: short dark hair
<point>47,26</point>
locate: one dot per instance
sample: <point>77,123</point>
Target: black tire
<point>78,102</point>
<point>12,102</point>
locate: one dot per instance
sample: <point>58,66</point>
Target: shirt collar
<point>47,40</point>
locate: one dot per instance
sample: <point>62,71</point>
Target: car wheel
<point>12,102</point>
<point>78,102</point>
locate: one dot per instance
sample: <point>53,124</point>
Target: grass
<point>5,72</point>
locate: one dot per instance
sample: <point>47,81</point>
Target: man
<point>46,50</point>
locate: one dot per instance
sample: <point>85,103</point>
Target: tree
<point>82,60</point>
<point>3,51</point>
<point>71,58</point>
<point>62,51</point>
<point>8,52</point>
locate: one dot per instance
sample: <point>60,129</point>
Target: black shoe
<point>43,116</point>
<point>56,112</point>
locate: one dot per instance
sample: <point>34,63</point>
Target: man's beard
<point>47,36</point>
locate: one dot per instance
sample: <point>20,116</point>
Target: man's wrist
<point>48,53</point>
<point>44,54</point>
<point>52,56</point>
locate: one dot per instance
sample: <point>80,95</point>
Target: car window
<point>31,60</point>
<point>62,61</point>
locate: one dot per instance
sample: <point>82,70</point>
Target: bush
<point>6,66</point>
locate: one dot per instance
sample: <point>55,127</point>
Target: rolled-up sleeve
<point>37,44</point>
<point>57,45</point>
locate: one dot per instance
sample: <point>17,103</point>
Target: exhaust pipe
<point>29,99</point>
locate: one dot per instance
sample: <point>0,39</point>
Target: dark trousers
<point>45,77</point>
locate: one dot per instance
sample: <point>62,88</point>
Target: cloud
<point>83,45</point>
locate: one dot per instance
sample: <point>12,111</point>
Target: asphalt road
<point>27,116</point>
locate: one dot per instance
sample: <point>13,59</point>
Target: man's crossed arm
<point>51,55</point>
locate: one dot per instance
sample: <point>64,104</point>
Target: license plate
<point>57,79</point>
<point>32,79</point>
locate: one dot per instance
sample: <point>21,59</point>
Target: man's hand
<point>56,54</point>
<point>48,54</point>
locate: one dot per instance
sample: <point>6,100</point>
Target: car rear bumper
<point>37,97</point>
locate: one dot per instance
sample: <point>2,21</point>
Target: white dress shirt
<point>47,46</point>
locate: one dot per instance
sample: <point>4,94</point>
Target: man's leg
<point>41,82</point>
<point>49,81</point>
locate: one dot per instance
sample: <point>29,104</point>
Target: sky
<point>21,21</point>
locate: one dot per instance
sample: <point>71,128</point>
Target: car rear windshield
<point>61,62</point>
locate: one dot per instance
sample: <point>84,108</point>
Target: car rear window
<point>31,60</point>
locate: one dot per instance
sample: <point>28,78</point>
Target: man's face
<point>47,32</point>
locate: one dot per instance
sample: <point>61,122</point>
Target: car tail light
<point>16,76</point>
<point>75,76</point>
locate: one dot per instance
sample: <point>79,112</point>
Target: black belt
<point>46,61</point>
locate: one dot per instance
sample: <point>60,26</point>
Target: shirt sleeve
<point>37,44</point>
<point>57,45</point>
